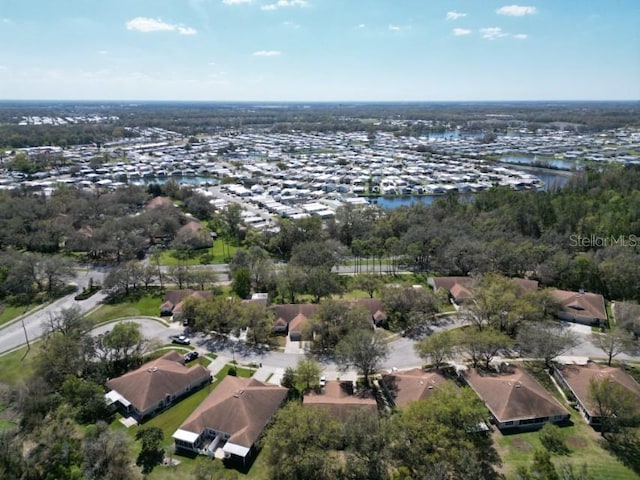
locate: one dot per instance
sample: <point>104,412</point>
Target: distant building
<point>174,301</point>
<point>581,307</point>
<point>461,289</point>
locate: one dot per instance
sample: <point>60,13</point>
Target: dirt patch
<point>521,445</point>
<point>576,442</point>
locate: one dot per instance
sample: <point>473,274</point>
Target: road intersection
<point>401,352</point>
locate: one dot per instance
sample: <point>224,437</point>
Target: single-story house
<point>576,380</point>
<point>515,399</point>
<point>160,202</point>
<point>374,306</point>
<point>155,385</point>
<point>581,307</point>
<point>261,299</point>
<point>231,418</point>
<point>286,314</point>
<point>195,234</point>
<point>292,318</point>
<point>407,386</point>
<point>460,289</point>
<point>174,299</point>
<point>341,399</point>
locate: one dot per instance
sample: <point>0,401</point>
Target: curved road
<point>12,335</point>
<point>401,355</point>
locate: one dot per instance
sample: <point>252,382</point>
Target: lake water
<point>178,179</point>
<point>553,162</point>
<point>551,179</point>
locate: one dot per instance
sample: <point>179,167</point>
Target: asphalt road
<point>13,334</point>
<point>401,355</point>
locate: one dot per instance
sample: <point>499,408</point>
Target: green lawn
<point>517,450</point>
<point>145,305</point>
<point>18,365</point>
<point>221,252</point>
<point>354,294</point>
<point>584,443</point>
<point>9,312</point>
<point>171,419</point>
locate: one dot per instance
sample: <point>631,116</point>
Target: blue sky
<point>320,50</point>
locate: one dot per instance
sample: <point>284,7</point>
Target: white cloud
<point>453,15</point>
<point>187,31</point>
<point>398,28</point>
<point>103,52</point>
<point>492,33</point>
<point>458,32</point>
<point>292,25</point>
<point>146,25</point>
<point>235,2</point>
<point>284,4</point>
<point>362,25</point>
<point>521,36</point>
<point>267,53</point>
<point>292,3</point>
<point>516,10</point>
<point>6,20</point>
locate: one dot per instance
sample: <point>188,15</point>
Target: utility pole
<point>26,337</point>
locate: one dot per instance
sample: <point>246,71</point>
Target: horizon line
<point>124,100</point>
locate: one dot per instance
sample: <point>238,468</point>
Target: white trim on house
<point>234,449</point>
<point>186,436</point>
<point>113,397</point>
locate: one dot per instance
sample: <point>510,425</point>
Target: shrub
<point>552,439</point>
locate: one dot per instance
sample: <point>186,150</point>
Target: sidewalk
<point>218,364</point>
<point>271,375</point>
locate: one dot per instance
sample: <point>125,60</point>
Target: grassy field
<point>171,419</point>
<point>18,365</point>
<point>221,252</point>
<point>145,305</point>
<point>584,444</point>
<point>9,312</point>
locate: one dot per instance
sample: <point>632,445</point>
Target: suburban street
<point>12,335</point>
<point>401,352</point>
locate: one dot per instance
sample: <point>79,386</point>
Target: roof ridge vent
<point>238,393</point>
<point>152,369</point>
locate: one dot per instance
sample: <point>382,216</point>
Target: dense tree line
<point>586,235</point>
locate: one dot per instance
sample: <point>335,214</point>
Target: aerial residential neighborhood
<point>197,301</point>
<point>319,240</point>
